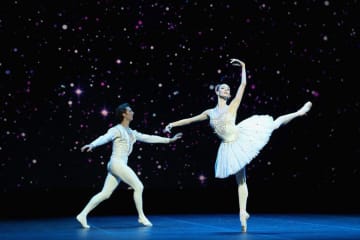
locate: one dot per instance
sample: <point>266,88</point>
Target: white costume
<point>240,143</point>
<point>123,140</point>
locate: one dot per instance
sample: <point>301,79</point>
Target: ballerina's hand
<point>168,128</point>
<point>236,62</point>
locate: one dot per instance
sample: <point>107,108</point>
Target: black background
<point>171,55</point>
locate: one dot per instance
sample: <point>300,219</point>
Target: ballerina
<point>241,142</point>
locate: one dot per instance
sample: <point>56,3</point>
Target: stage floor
<point>190,226</point>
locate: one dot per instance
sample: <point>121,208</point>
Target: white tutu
<point>247,139</point>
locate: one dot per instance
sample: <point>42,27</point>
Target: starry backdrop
<point>66,65</point>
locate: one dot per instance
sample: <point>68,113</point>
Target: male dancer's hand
<point>176,137</point>
<point>87,147</point>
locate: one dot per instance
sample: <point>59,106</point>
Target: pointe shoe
<point>144,221</point>
<point>82,220</point>
<point>244,216</point>
<point>307,106</point>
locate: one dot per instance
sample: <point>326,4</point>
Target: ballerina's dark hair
<point>217,86</point>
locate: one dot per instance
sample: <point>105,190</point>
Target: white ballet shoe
<point>82,220</point>
<point>244,216</point>
<point>144,221</point>
<point>307,106</point>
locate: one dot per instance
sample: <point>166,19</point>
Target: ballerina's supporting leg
<point>284,119</point>
<point>243,195</point>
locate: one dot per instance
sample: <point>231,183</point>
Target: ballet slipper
<point>244,216</point>
<point>307,106</point>
<point>144,221</point>
<point>82,220</point>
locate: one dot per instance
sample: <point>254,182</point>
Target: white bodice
<point>223,125</point>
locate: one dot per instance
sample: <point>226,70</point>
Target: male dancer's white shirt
<point>123,140</point>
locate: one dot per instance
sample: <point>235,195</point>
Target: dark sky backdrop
<point>66,65</point>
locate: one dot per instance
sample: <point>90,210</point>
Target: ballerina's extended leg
<point>284,119</point>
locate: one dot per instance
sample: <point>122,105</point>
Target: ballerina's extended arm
<point>235,103</point>
<point>154,138</point>
<point>201,117</point>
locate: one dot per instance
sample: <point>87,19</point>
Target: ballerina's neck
<point>221,109</point>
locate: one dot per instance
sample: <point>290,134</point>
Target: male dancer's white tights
<point>117,172</point>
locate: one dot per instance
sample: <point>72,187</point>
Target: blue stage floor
<point>196,226</point>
